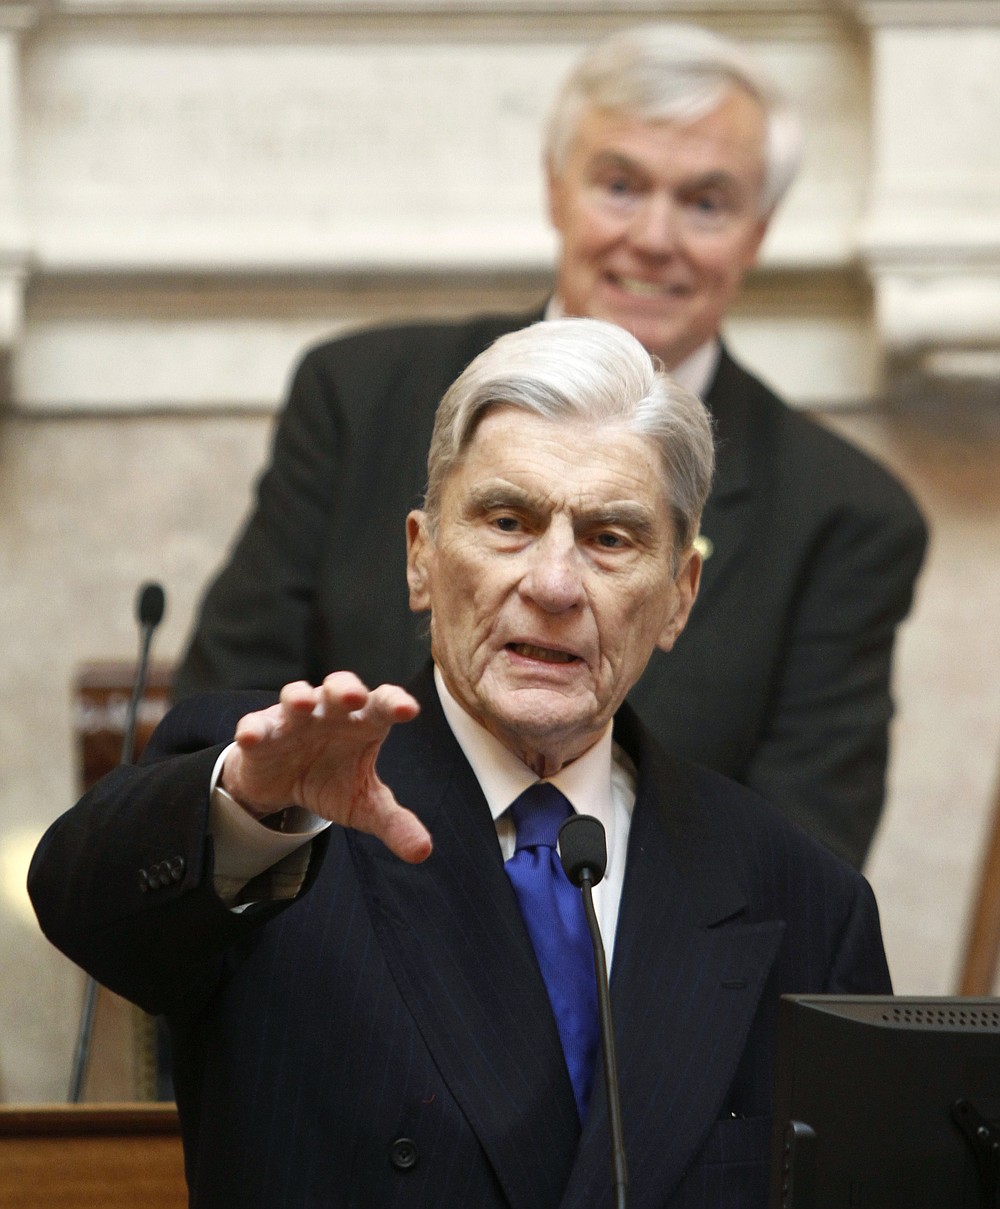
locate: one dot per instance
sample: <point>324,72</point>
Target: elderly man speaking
<point>345,902</point>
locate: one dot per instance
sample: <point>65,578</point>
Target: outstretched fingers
<point>382,707</point>
<point>317,748</point>
<point>295,706</point>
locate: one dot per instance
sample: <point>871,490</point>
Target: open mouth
<point>543,653</point>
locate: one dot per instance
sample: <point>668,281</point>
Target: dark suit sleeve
<point>859,964</point>
<point>123,883</point>
<point>253,626</point>
<point>823,752</point>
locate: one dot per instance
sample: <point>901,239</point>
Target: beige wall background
<point>193,190</point>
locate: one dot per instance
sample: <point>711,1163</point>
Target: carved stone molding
<point>931,237</point>
<point>952,13</point>
<point>15,19</point>
<point>19,15</point>
<point>705,10</point>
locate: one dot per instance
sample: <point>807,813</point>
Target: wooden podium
<point>91,1156</point>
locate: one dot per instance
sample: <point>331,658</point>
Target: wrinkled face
<point>549,579</point>
<point>659,221</point>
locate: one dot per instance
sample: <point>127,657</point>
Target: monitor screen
<point>887,1103</point>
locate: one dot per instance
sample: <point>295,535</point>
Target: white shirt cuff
<point>244,846</point>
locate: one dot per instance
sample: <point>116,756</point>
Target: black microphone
<point>150,602</point>
<point>583,851</point>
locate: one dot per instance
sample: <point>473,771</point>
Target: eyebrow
<point>624,514</point>
<point>635,518</point>
<point>720,179</point>
<point>615,159</point>
<point>487,496</point>
<point>714,180</point>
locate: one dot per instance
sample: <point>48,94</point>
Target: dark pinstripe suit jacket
<point>386,1039</point>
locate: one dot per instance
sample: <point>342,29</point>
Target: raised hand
<point>317,749</point>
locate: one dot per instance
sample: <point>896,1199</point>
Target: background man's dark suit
<point>782,677</point>
<point>386,1039</point>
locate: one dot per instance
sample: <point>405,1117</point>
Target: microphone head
<point>149,605</point>
<point>583,847</point>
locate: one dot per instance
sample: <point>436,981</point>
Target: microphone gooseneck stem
<point>138,688</point>
<point>81,1053</point>
<point>619,1172</point>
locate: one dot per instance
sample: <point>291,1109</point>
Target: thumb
<point>398,828</point>
<point>406,837</point>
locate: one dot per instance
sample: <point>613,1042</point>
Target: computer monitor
<point>887,1103</point>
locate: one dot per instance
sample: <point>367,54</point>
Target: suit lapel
<point>726,517</point>
<point>687,977</point>
<point>453,935</point>
<point>727,400</point>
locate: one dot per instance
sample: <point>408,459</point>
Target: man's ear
<point>419,552</point>
<point>685,591</point>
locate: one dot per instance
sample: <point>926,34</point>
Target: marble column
<point>15,19</point>
<point>931,240</point>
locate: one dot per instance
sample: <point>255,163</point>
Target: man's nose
<point>655,228</point>
<point>554,576</point>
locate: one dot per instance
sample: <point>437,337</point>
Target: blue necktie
<point>553,912</point>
